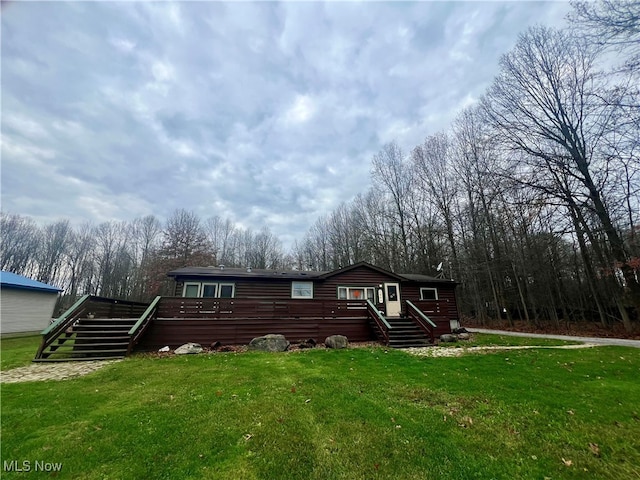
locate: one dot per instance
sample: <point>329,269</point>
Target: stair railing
<point>64,321</point>
<point>380,321</point>
<point>424,322</point>
<point>138,329</point>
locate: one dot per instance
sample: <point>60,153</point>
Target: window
<point>191,290</point>
<point>357,293</point>
<point>301,289</point>
<point>208,290</point>
<point>227,290</point>
<point>428,294</point>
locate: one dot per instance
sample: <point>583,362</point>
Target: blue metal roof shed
<point>26,305</point>
<point>13,280</point>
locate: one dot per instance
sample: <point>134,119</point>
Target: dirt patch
<point>578,329</point>
<point>458,352</point>
<point>40,372</point>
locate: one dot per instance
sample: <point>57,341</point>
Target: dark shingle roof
<point>241,273</point>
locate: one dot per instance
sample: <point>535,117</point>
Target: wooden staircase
<point>91,339</point>
<point>405,333</point>
<point>78,336</point>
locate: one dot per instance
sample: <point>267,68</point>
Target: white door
<point>392,299</point>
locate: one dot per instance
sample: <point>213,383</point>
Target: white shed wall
<point>25,310</point>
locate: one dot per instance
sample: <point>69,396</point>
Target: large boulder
<point>269,343</point>
<point>448,338</point>
<point>336,341</point>
<point>188,348</point>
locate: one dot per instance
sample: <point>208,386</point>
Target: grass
<point>18,351</point>
<point>322,414</point>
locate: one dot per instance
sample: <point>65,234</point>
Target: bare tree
<point>185,239</point>
<point>392,174</point>
<point>18,244</point>
<point>53,248</point>
<point>541,104</point>
<point>611,23</point>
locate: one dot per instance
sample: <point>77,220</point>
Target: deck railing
<point>212,308</point>
<point>381,323</point>
<point>62,323</point>
<point>100,307</point>
<point>138,329</point>
<point>424,322</point>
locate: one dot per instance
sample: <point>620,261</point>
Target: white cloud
<point>264,112</point>
<point>303,109</point>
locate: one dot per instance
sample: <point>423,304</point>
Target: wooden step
<point>85,352</point>
<point>74,359</point>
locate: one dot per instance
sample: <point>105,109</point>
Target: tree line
<point>530,199</point>
<point>130,259</point>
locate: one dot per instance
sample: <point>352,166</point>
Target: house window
<point>301,289</point>
<point>191,290</point>
<point>357,293</point>
<point>208,290</point>
<point>428,294</point>
<point>227,290</point>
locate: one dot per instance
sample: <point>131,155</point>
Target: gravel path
<point>38,372</point>
<point>622,342</point>
<point>459,351</point>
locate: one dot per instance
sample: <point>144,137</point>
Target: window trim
<point>191,284</point>
<point>200,285</point>
<point>433,289</point>
<point>301,297</point>
<point>347,289</point>
<point>209,284</point>
<point>233,289</point>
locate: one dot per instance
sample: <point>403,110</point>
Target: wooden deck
<point>230,321</point>
<point>121,327</point>
<point>236,321</point>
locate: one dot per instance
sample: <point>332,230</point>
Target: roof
<point>13,280</point>
<point>358,265</point>
<point>424,278</point>
<point>294,274</point>
<point>241,273</point>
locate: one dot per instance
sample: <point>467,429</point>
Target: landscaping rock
<point>215,345</point>
<point>336,341</point>
<point>448,338</point>
<point>464,336</point>
<point>302,344</point>
<point>269,343</point>
<point>460,330</point>
<point>188,348</point>
<point>164,349</point>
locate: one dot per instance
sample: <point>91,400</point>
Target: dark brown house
<point>299,304</point>
<point>232,306</point>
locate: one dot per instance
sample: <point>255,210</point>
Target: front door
<point>392,299</point>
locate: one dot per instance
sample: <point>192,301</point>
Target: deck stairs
<point>95,328</point>
<point>90,339</point>
<point>404,333</point>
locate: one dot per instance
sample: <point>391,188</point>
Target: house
<point>297,304</point>
<point>25,304</point>
<point>233,305</point>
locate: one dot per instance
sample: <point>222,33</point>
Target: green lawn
<point>322,414</point>
<point>18,351</point>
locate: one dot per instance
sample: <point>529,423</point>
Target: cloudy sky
<point>267,113</point>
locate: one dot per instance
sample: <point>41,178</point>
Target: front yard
<point>357,413</point>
